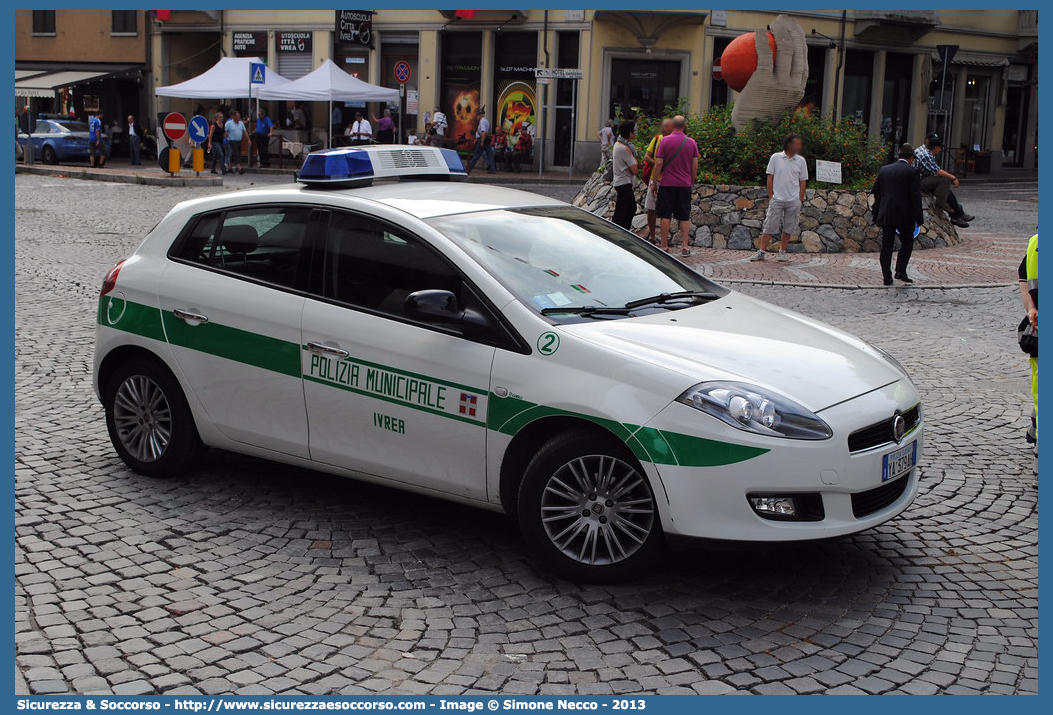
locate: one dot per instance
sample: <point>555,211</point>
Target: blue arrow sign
<point>198,129</point>
<point>257,73</point>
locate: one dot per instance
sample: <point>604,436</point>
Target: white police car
<point>501,349</point>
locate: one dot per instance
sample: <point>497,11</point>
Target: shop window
<point>43,22</point>
<point>895,103</point>
<point>719,93</point>
<point>515,89</point>
<point>813,90</point>
<point>975,123</point>
<point>461,77</point>
<point>859,73</point>
<point>645,87</point>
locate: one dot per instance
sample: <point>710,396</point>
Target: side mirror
<point>440,306</point>
<point>432,304</point>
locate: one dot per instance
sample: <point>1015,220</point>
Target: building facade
<point>882,68</point>
<point>82,61</point>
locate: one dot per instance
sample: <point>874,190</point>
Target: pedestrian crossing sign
<point>257,73</point>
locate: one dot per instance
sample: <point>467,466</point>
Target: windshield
<point>73,126</point>
<point>559,257</point>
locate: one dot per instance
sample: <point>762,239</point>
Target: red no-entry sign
<point>174,126</point>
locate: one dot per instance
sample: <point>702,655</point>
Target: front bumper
<point>711,502</point>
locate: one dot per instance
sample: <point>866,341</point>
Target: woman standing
<point>217,135</point>
<point>385,128</point>
<point>625,169</point>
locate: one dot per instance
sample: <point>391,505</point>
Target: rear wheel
<point>48,155</point>
<point>587,510</point>
<point>148,418</point>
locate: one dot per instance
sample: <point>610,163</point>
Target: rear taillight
<point>110,281</point>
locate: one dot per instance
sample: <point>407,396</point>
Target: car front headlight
<point>755,409</point>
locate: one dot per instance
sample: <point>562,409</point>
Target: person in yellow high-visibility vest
<point>1028,274</point>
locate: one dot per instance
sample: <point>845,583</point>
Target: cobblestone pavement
<point>1007,215</point>
<point>252,577</point>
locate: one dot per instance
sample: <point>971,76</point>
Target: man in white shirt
<point>360,131</point>
<point>438,128</point>
<point>483,143</point>
<point>787,181</point>
<point>135,139</point>
<point>606,136</point>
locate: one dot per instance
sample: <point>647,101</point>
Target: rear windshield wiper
<point>586,310</point>
<point>670,297</point>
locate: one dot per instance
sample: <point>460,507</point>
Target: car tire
<point>48,155</point>
<point>148,418</point>
<point>587,510</point>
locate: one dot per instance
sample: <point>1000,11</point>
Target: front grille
<point>878,498</point>
<point>877,435</point>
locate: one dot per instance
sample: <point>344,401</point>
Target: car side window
<point>263,243</point>
<point>371,266</point>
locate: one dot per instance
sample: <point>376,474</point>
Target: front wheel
<point>150,423</point>
<point>587,509</point>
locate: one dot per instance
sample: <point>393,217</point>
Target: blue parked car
<point>57,140</point>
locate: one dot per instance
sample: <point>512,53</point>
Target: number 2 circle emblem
<point>548,343</point>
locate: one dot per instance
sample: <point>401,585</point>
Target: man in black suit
<point>897,207</point>
<point>135,140</point>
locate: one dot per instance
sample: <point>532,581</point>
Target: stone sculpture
<point>778,83</point>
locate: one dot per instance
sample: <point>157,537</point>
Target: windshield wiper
<point>586,310</point>
<point>670,297</point>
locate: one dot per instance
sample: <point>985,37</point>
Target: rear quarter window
<point>264,244</point>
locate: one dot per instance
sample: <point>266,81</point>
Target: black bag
<point>1027,336</point>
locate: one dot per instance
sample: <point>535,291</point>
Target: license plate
<point>896,464</point>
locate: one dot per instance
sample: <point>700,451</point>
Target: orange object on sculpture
<point>739,60</point>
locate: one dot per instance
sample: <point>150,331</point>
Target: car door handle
<point>330,350</point>
<point>189,317</point>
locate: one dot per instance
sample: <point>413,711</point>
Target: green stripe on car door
<point>507,415</point>
<point>281,356</point>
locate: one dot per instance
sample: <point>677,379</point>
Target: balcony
<point>895,27</point>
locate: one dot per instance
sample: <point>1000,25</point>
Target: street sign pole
<point>402,114</point>
<point>402,76</point>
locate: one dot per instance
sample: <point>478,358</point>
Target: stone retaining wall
<point>832,221</point>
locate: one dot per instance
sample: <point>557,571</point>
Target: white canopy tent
<point>330,84</point>
<point>227,79</point>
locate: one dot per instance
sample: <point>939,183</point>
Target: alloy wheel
<point>597,510</point>
<point>143,418</point>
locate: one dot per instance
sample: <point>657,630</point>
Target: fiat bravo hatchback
<point>383,321</point>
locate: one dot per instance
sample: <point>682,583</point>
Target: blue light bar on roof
<point>361,165</point>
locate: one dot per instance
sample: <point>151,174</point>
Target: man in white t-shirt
<point>606,136</point>
<point>787,181</point>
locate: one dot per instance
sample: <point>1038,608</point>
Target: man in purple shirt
<point>675,169</point>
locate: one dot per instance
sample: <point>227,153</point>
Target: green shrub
<point>730,157</point>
